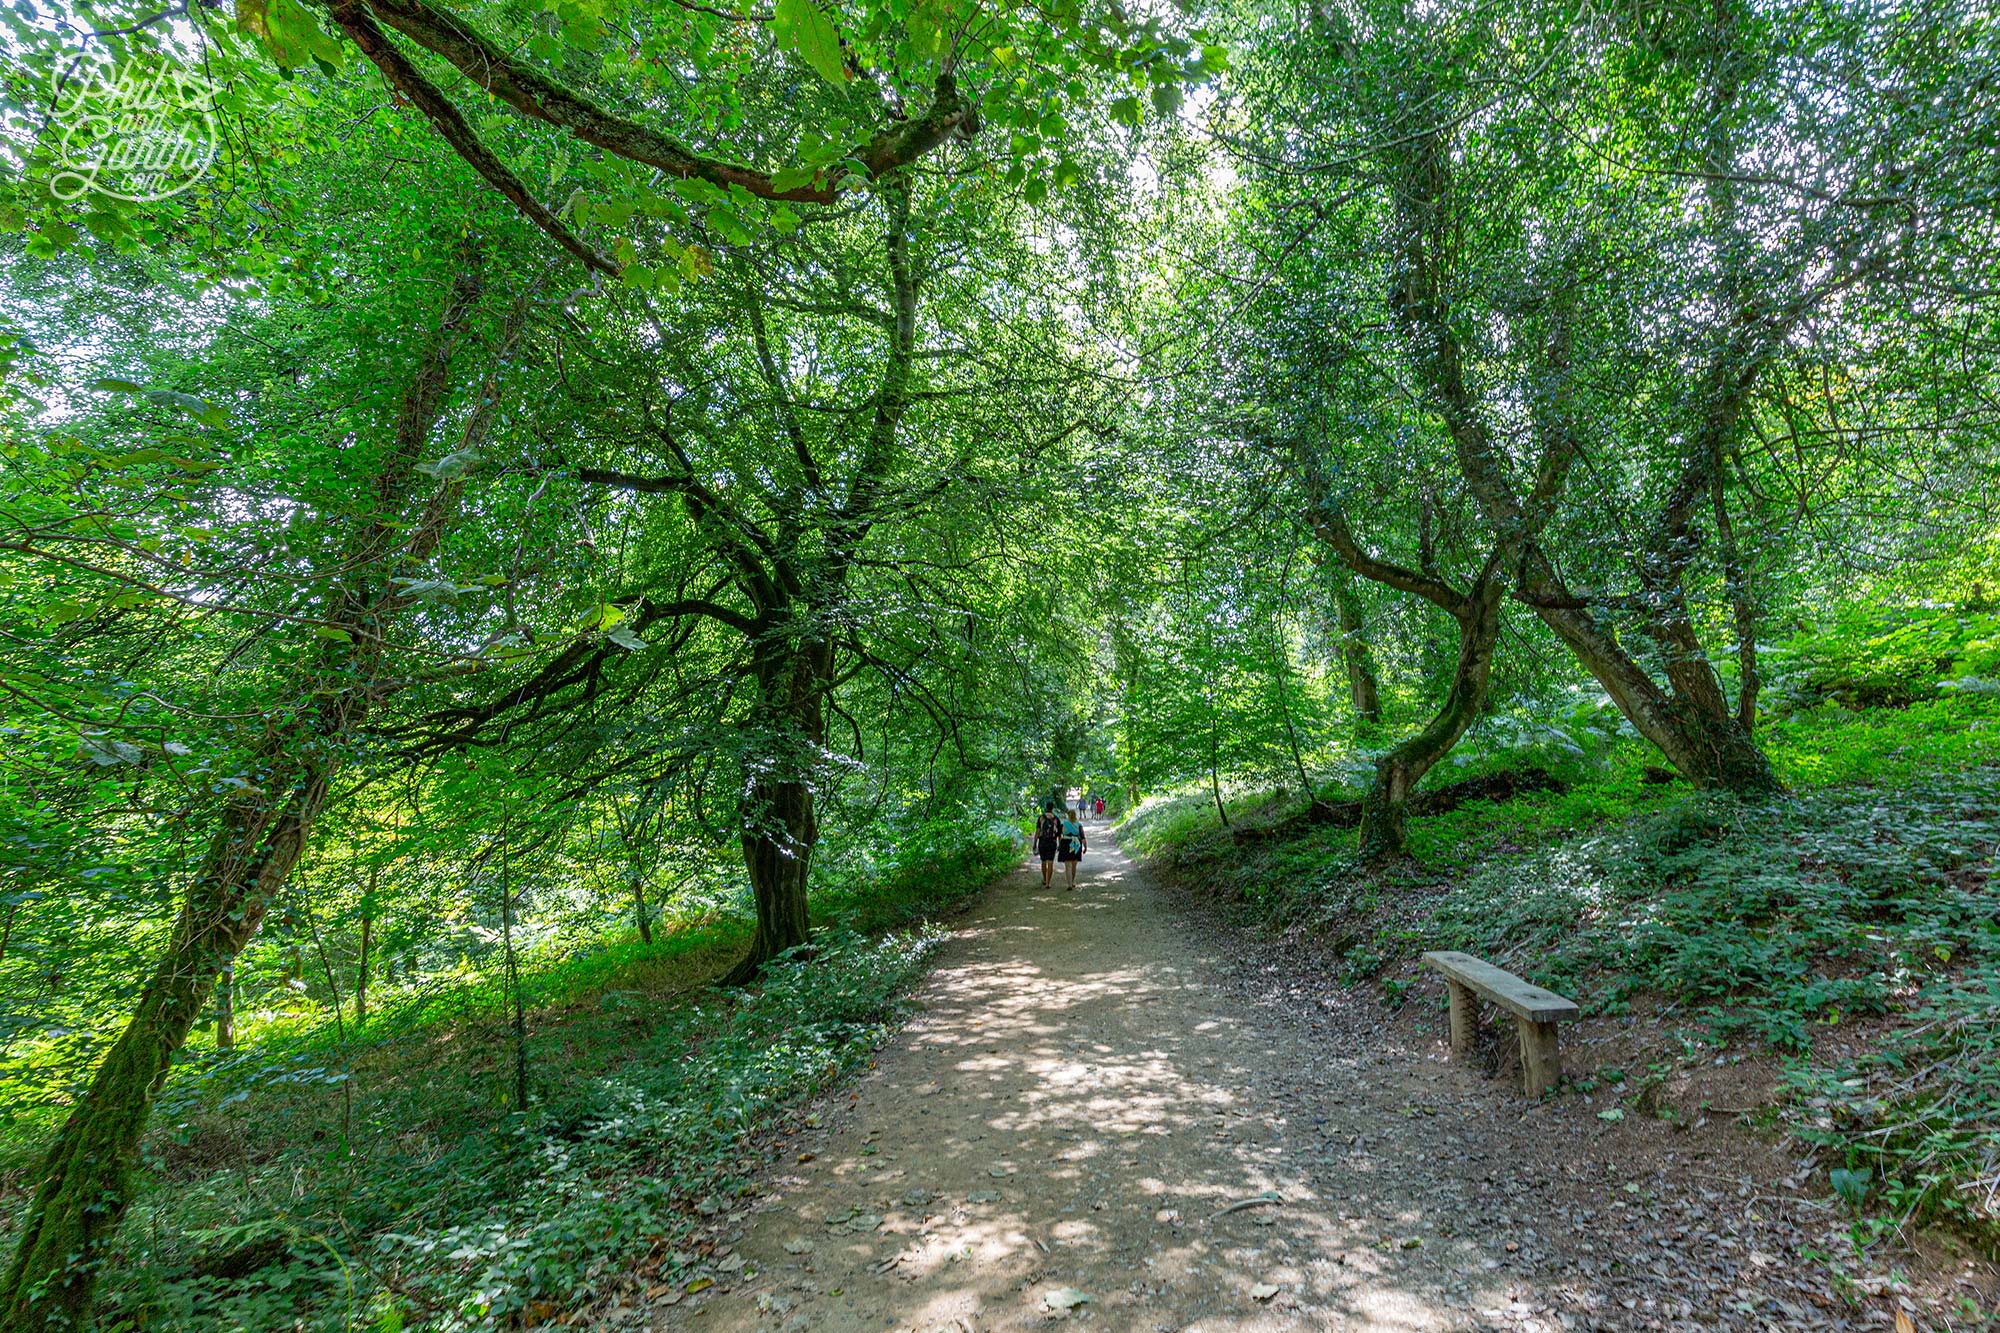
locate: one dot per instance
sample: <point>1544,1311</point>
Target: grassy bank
<point>319,1180</point>
<point>1845,932</point>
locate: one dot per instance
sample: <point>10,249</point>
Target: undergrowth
<point>1860,902</point>
<point>385,1183</point>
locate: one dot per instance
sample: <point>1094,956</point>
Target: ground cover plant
<point>1843,929</point>
<point>385,1181</point>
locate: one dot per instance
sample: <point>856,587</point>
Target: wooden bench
<point>1536,1013</point>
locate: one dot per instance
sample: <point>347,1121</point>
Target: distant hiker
<point>1100,805</point>
<point>1048,832</point>
<point>1074,844</point>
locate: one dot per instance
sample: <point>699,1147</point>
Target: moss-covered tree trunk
<point>86,1175</point>
<point>780,820</point>
<point>84,1181</point>
<point>1385,806</point>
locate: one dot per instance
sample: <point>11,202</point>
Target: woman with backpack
<point>1048,832</point>
<point>1073,843</point>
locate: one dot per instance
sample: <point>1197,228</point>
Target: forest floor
<point>1092,1079</point>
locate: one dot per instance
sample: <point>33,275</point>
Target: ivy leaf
<point>800,27</point>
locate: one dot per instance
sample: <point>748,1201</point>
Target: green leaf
<point>801,28</point>
<point>288,31</point>
<point>793,178</point>
<point>117,386</point>
<point>335,634</point>
<point>207,413</point>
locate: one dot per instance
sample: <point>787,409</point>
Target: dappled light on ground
<point>1107,1111</point>
<point>1062,1132</point>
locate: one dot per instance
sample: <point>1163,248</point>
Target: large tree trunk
<point>780,822</point>
<point>1385,806</point>
<point>86,1173</point>
<point>780,831</point>
<point>85,1176</point>
<point>1700,738</point>
<point>1689,719</point>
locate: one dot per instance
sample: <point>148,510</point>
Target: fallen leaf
<point>798,1245</point>
<point>1264,1291</point>
<point>983,1196</point>
<point>1064,1298</point>
<point>700,1284</point>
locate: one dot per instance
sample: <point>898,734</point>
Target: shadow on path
<point>1058,1133</point>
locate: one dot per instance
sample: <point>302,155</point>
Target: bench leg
<point>1541,1066</point>
<point>1464,1016</point>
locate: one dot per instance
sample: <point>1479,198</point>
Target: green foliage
<point>314,1183</point>
<point>1766,923</point>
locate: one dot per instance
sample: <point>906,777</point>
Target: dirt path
<point>1090,1084</point>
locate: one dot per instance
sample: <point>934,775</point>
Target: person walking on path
<point>1074,845</point>
<point>1048,832</point>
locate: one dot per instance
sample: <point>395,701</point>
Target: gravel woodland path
<point>1103,1113</point>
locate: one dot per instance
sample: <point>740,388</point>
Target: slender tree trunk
<point>1214,766</point>
<point>1385,807</point>
<point>367,939</point>
<point>225,1007</point>
<point>85,1177</point>
<point>1355,654</point>
<point>1742,605</point>
<point>642,916</point>
<point>513,969</point>
<point>1279,659</point>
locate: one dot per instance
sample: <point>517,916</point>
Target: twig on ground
<point>1254,1201</point>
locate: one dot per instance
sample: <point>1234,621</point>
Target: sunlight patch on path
<point>1066,1117</point>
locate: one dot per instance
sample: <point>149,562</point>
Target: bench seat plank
<point>1523,999</point>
